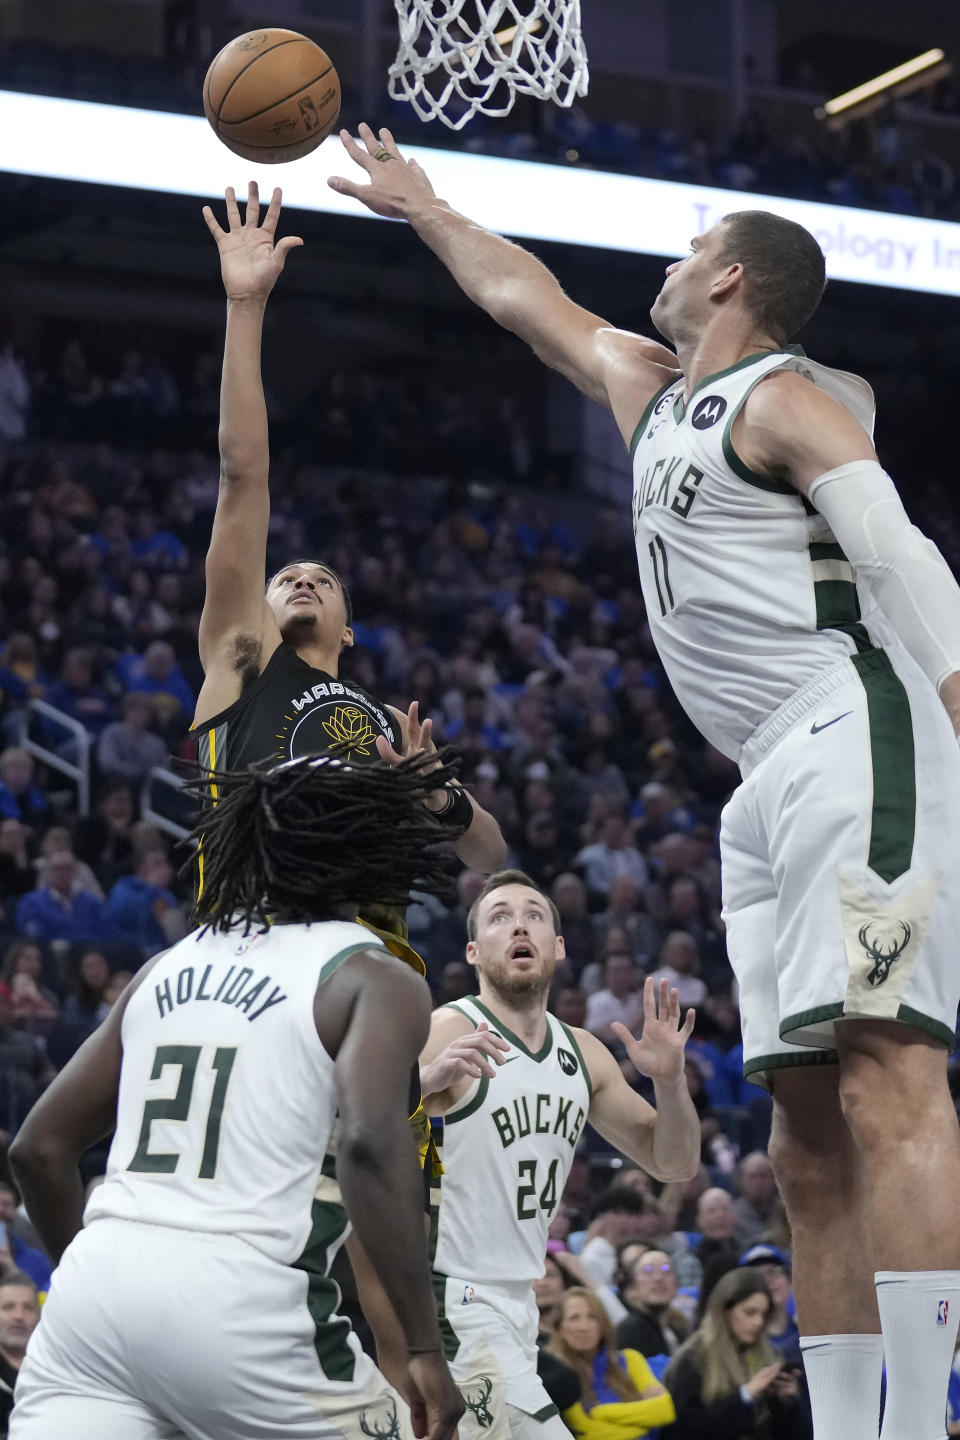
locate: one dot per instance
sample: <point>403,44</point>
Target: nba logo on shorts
<point>942,1310</point>
<point>469,1292</point>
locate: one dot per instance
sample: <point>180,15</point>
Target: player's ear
<point>470,954</point>
<point>726,283</point>
<point>346,640</point>
<point>560,953</point>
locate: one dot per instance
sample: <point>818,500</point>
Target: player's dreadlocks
<point>295,841</point>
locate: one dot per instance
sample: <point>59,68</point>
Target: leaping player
<point>808,629</point>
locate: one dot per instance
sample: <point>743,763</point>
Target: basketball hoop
<point>458,57</point>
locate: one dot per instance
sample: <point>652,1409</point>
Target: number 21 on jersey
<point>178,1106</point>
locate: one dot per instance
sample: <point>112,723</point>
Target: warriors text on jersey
<point>508,1145</point>
<point>292,710</point>
<point>747,593</point>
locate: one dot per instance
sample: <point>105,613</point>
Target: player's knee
<point>802,1167</point>
<point>882,1094</point>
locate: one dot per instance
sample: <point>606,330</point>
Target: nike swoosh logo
<point>815,729</point>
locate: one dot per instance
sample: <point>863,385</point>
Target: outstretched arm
<point>665,1141</point>
<point>234,607</point>
<point>614,367</point>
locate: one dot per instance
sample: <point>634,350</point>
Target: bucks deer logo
<point>386,1427</point>
<point>350,727</point>
<point>884,954</point>
<point>477,1402</point>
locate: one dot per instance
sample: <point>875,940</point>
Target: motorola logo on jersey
<point>708,411</point>
<point>568,1062</point>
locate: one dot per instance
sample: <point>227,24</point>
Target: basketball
<point>272,96</point>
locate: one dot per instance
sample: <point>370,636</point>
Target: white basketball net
<point>460,56</point>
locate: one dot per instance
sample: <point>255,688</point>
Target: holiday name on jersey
<point>660,484</point>
<point>543,1120</point>
<point>229,989</point>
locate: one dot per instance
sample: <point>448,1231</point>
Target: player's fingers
<point>425,741</point>
<point>233,212</point>
<point>357,152</point>
<point>253,205</point>
<point>288,243</point>
<point>622,1033</point>
<point>663,1000</point>
<point>273,211</point>
<point>347,187</point>
<point>649,998</point>
<point>421,175</point>
<point>673,1014</point>
<point>688,1024</point>
<point>369,139</point>
<point>388,142</point>
<point>386,751</point>
<point>213,224</point>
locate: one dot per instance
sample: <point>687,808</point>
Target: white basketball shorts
<point>841,866</point>
<point>490,1335</point>
<point>152,1333</point>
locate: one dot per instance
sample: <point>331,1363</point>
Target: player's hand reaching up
<point>659,1053</point>
<point>251,257</point>
<point>475,1054</point>
<point>397,185</point>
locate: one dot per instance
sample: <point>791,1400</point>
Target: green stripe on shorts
<point>894,820</point>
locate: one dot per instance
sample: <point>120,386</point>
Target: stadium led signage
<point>179,154</point>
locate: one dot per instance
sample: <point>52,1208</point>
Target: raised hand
<point>659,1053</point>
<point>467,1055</point>
<point>250,256</point>
<point>397,185</point>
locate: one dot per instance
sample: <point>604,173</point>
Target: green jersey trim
<point>893,823</point>
<point>541,1054</point>
<point>579,1054</point>
<point>637,435</point>
<point>328,1224</point>
<point>681,406</point>
<point>769,483</point>
<point>835,599</point>
<point>480,1094</point>
<point>755,1070</point>
<point>335,961</point>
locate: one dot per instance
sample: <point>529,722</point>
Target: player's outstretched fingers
<point>663,1000</point>
<point>368,138</point>
<point>253,205</point>
<point>686,1030</point>
<point>213,224</point>
<point>388,142</point>
<point>233,210</point>
<point>273,212</point>
<point>357,152</point>
<point>649,998</point>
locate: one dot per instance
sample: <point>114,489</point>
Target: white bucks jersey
<point>747,593</point>
<point>507,1150</point>
<point>227,1097</point>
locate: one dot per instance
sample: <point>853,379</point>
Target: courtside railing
<point>78,771</point>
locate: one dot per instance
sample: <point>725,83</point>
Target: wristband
<point>413,1350</point>
<point>458,811</point>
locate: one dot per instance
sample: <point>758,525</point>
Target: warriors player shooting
<point>196,1300</point>
<point>807,628</point>
<point>516,1088</point>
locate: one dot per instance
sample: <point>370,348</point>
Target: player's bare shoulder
<point>635,368</point>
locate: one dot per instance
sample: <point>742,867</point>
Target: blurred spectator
<point>14,399</point>
<point>623,912</point>
<point>33,1006</point>
<point>657,815</point>
<point>16,871</point>
<point>726,1381</point>
<point>78,696</point>
<point>614,1219</point>
<point>143,910</point>
<point>56,839</point>
<point>20,676</point>
<point>548,1292</point>
<point>716,1223</point>
<point>28,1259</point>
<point>773,1265</point>
<point>456,980</point>
<point>83,1009</point>
<point>19,1317</point>
<point>57,910</point>
<point>652,1325</point>
<point>569,894</point>
<point>620,999</point>
<point>678,962</point>
<point>127,750</point>
<point>615,853</point>
<point>570,1007</point>
<point>156,673</point>
<point>20,799</point>
<point>756,1196</point>
<point>620,1395</point>
<point>544,855</point>
<point>23,1070</point>
<point>105,839</point>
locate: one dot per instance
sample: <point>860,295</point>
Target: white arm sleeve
<point>907,575</point>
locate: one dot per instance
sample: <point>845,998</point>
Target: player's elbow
<point>33,1154</point>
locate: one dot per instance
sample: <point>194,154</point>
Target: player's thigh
<point>533,1427</point>
<point>864,847</point>
<point>750,916</point>
<point>43,1411</point>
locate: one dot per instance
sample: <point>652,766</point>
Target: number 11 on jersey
<point>661,574</point>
